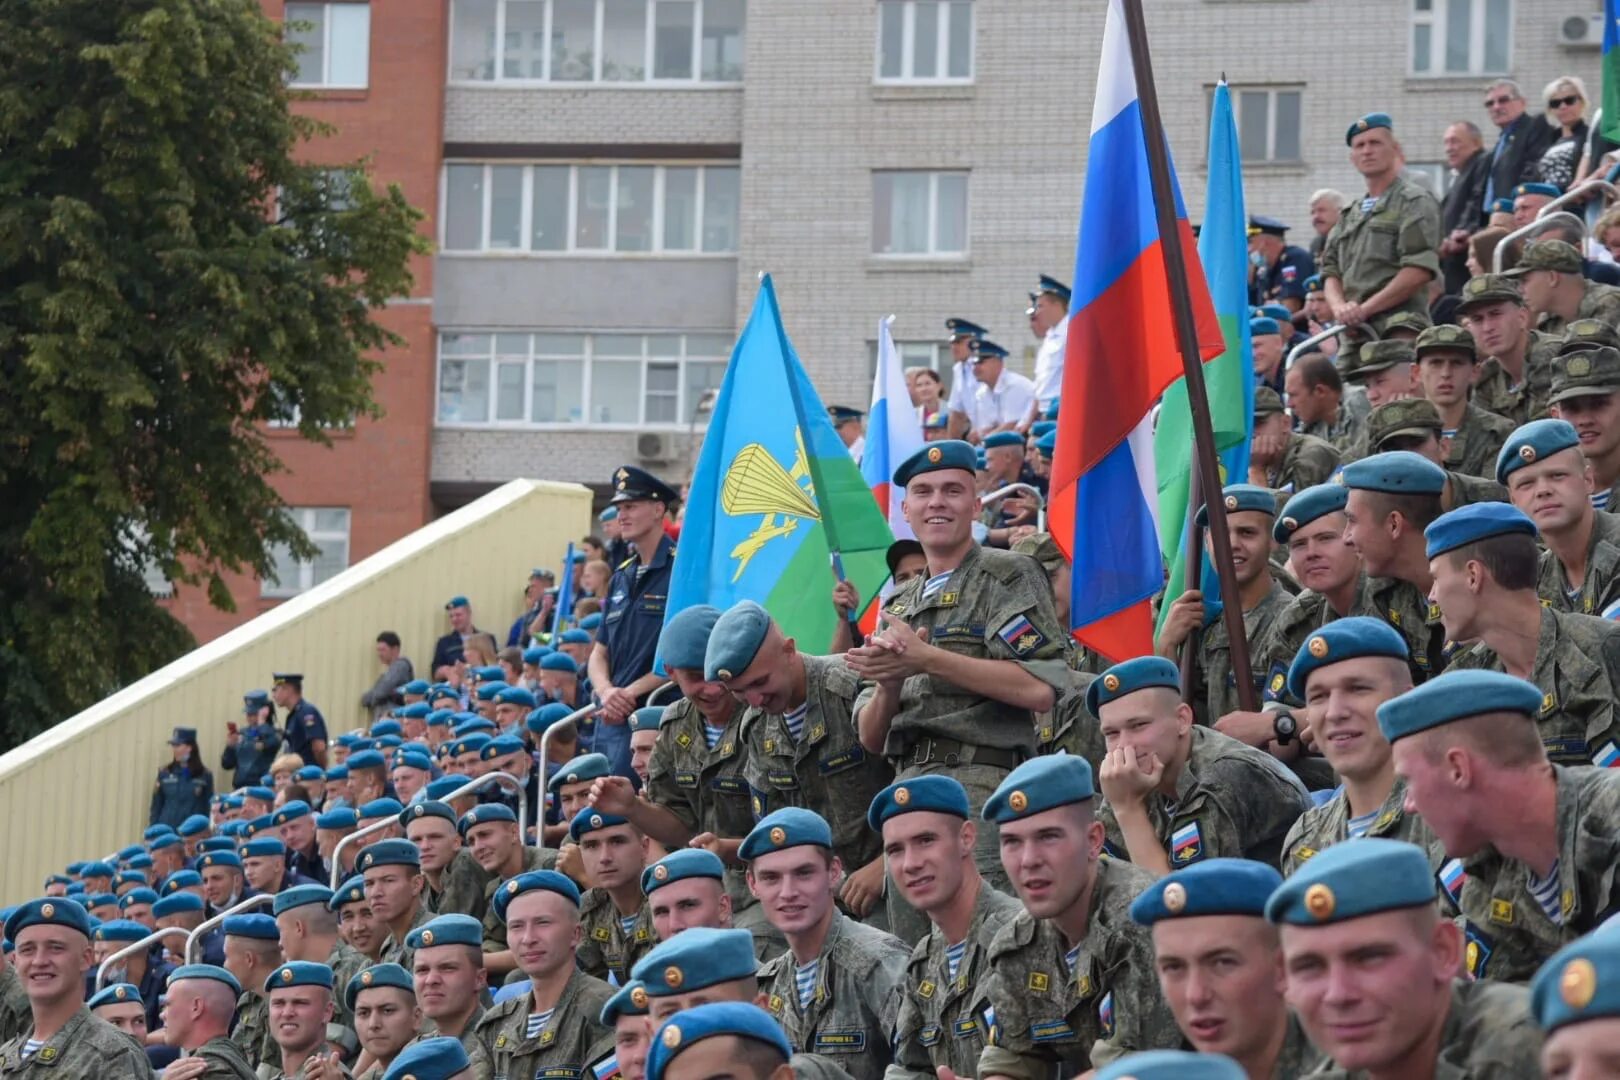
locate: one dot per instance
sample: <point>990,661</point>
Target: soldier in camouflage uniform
<point>1557,293</point>
<point>836,991</point>
<point>1485,561</point>
<point>613,914</point>
<point>14,1014</point>
<point>929,841</point>
<point>1056,1004</point>
<point>1535,870</point>
<point>1414,424</point>
<point>1447,362</point>
<point>301,998</point>
<point>1325,407</point>
<point>1066,726</point>
<point>1381,893</point>
<point>1516,375</point>
<point>309,932</point>
<point>197,1018</point>
<point>490,832</point>
<point>252,949</point>
<point>391,870</point>
<point>1281,459</point>
<point>448,948</point>
<point>1585,384</point>
<point>1209,919</point>
<point>457,883</point>
<point>384,997</point>
<point>1548,479</point>
<point>555,1024</point>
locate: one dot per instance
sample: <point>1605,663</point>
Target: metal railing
<point>261,900</point>
<point>1012,489</point>
<point>1543,222</point>
<point>1334,330</point>
<point>469,788</point>
<point>1574,195</point>
<point>651,697</point>
<point>134,947</point>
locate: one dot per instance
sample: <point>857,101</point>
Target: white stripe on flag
<point>1147,474</point>
<point>1116,75</point>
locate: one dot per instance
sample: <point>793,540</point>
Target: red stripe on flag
<point>1120,636</point>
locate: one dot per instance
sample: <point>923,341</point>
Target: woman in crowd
<point>1566,110</point>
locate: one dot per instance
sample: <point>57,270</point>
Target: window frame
<point>304,516</point>
<point>908,47</point>
<point>1272,92</point>
<point>933,254</point>
<point>1436,18</point>
<point>326,45</point>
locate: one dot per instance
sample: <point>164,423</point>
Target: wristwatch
<point>1283,727</point>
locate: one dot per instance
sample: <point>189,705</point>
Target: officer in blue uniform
<point>184,786</point>
<point>306,727</point>
<point>251,749</point>
<point>1280,268</point>
<point>621,664</point>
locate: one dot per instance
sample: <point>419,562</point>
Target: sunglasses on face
<point>1557,102</point>
<point>1495,101</point>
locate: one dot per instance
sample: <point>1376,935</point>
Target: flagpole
<point>1175,262</point>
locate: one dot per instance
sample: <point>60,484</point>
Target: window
<point>929,354</point>
<point>335,44</point>
<point>328,530</point>
<point>1461,37</point>
<point>925,41</point>
<point>531,379</point>
<point>600,41</point>
<point>604,209</point>
<point>1268,123</point>
<point>1434,175</point>
<point>919,213</point>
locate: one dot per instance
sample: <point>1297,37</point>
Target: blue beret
<point>386,727</point>
<point>790,826</point>
<point>591,621</point>
<point>735,641</point>
<point>533,881</point>
<point>1173,1065</point>
<point>1357,877</point>
<point>1552,191</point>
<point>1579,982</point>
<point>220,858</point>
<point>484,813</point>
<point>233,801</point>
<point>736,1018</point>
<point>1313,283</point>
<point>456,601</point>
<point>536,653</point>
<point>258,824</point>
<point>416,710</point>
<point>500,747</point>
<point>516,695</point>
<point>309,773</point>
<point>1456,695</point>
<point>1041,427</point>
<point>413,759</point>
<point>299,973</point>
<point>1263,325</point>
<point>1343,639</point>
<point>154,831</point>
<point>131,877</point>
<point>263,847</point>
<point>300,896</point>
<point>205,971</point>
<point>487,690</point>
<point>389,853</point>
<point>344,817</point>
<point>1047,445</point>
<point>76,888</point>
<point>546,715</point>
<point>177,903</point>
<point>935,793</point>
<point>428,808</point>
<point>291,811</point>
<point>449,929</point>
<point>262,792</point>
<point>181,879</point>
<point>352,891</point>
<point>686,636</point>
<point>629,1000</point>
<point>360,746</point>
<point>1039,784</point>
<point>390,742</point>
<point>137,896</point>
<point>649,718</point>
<point>1395,472</point>
<point>490,673</point>
<point>76,867</point>
<point>680,865</point>
<point>1476,521</point>
<point>446,785</point>
<point>1129,677</point>
<point>391,976</point>
<point>589,819</point>
<point>257,926</point>
<point>685,963</point>
<point>1316,501</point>
<point>438,1058</point>
<point>125,930</point>
<point>116,994</point>
<point>559,661</point>
<point>1212,887</point>
<point>472,742</point>
<point>365,759</point>
<point>1003,439</point>
<point>439,717</point>
<point>415,686</point>
<point>381,808</point>
<point>580,769</point>
<point>944,454</point>
<point>1502,206</point>
<point>105,899</point>
<point>574,636</point>
<point>1367,123</point>
<point>98,869</point>
<point>127,853</point>
<point>1531,443</point>
<point>1240,498</point>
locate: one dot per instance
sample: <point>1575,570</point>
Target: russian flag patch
<point>1105,1014</point>
<point>1187,844</point>
<point>1021,636</point>
<point>1611,612</point>
<point>607,1068</point>
<point>1452,879</point>
<point>1607,757</point>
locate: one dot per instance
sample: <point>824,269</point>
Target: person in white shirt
<point>1002,400</point>
<point>964,339</point>
<point>847,423</point>
<point>1052,314</point>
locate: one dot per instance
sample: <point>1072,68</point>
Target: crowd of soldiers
<point>960,845</point>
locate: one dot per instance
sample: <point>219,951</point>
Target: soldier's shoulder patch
<point>1303,853</point>
<point>1105,1015</point>
<point>1186,844</point>
<point>1502,912</point>
<point>1039,982</point>
<point>1434,612</point>
<point>1549,703</point>
<point>776,1005</point>
<point>925,989</point>
<point>1021,636</point>
<point>1476,952</point>
<point>600,934</point>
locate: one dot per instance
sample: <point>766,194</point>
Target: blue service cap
<point>484,813</point>
<point>533,881</point>
<point>943,454</point>
<point>685,963</point>
<point>254,700</point>
<point>536,653</point>
<point>735,1018</point>
<point>1551,191</point>
<point>300,896</point>
<point>1314,502</point>
<point>987,350</point>
<point>935,793</point>
<point>97,869</point>
<point>142,895</point>
<point>177,903</point>
<point>1532,442</point>
<point>389,853</point>
<point>686,636</point>
<point>791,826</point>
<point>579,770</point>
<point>378,977</point>
<point>386,727</point>
<point>125,930</point>
<point>416,686</point>
<point>451,929</point>
<point>257,926</point>
<point>1039,784</point>
<point>352,891</point>
<point>299,973</point>
<point>116,994</point>
<point>428,808</point>
<point>1263,324</point>
<point>647,718</point>
<point>559,661</point>
<point>381,808</point>
<point>1003,439</point>
<point>1344,639</point>
<point>1357,877</point>
<point>204,971</point>
<point>290,811</point>
<point>550,713</point>
<point>344,817</point>
<point>438,1058</point>
<point>1173,1065</point>
<point>589,819</point>
<point>1129,677</point>
<point>262,847</point>
<point>1260,223</point>
<point>629,1000</point>
<point>1212,887</point>
<point>1049,284</point>
<point>681,864</point>
<point>1367,123</point>
<point>1579,982</point>
<point>1243,498</point>
<point>219,858</point>
<point>180,879</point>
<point>960,327</point>
<point>1474,522</point>
<point>1457,695</point>
<point>735,641</point>
<point>1395,472</point>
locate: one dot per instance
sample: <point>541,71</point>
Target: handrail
<point>134,947</point>
<point>545,738</point>
<point>1540,224</point>
<point>469,788</point>
<point>659,690</point>
<point>1040,500</point>
<point>1580,189</point>
<point>1333,330</point>
<point>337,864</point>
<point>258,900</point>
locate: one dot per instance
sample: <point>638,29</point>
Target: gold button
<point>1231,502</point>
<point>1320,902</point>
<point>901,796</point>
<point>1290,524</point>
<point>638,998</point>
<point>286,975</point>
<point>48,910</point>
<point>365,978</point>
<point>724,673</point>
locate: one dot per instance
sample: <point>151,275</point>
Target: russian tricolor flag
<point>893,432</point>
<point>1121,356</point>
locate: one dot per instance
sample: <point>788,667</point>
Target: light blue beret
<point>416,686</point>
<point>735,641</point>
<point>446,785</point>
<point>1395,472</point>
<point>177,903</point>
<point>943,454</point>
<point>205,971</point>
<point>195,825</point>
<point>686,637</point>
<point>1262,324</point>
<point>536,653</point>
<point>1367,123</point>
<point>471,742</point>
<point>999,439</point>
<point>516,695</point>
<point>352,891</point>
<point>533,881</point>
<point>344,817</point>
<point>484,813</point>
<point>291,811</point>
<point>579,770</point>
<point>791,826</point>
<point>142,895</point>
<point>680,865</point>
<point>116,994</point>
<point>1357,877</point>
<point>488,690</point>
<point>591,621</point>
<point>546,715</point>
<point>389,853</point>
<point>413,759</point>
<point>1242,498</point>
<point>262,847</point>
<point>500,746</point>
<point>391,976</point>
<point>648,718</point>
<point>560,661</point>
<point>450,929</point>
<point>1532,442</point>
<point>685,963</point>
<point>386,727</point>
<point>365,759</point>
<point>736,1018</point>
<point>381,808</point>
<point>125,930</point>
<point>1343,639</point>
<point>630,1000</point>
<point>220,858</point>
<point>1474,522</point>
<point>1579,982</point>
<point>299,973</point>
<point>1456,695</point>
<point>430,1059</point>
<point>1129,677</point>
<point>935,793</point>
<point>428,808</point>
<point>1040,784</point>
<point>1173,1065</point>
<point>1316,501</point>
<point>1213,887</point>
<point>180,879</point>
<point>300,896</point>
<point>589,819</point>
<point>167,840</point>
<point>257,926</point>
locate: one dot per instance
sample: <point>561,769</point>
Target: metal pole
<point>1192,361</point>
<point>1336,330</point>
<point>1040,500</point>
<point>134,947</point>
<point>358,834</point>
<point>659,690</point>
<point>260,900</point>
<point>1596,183</point>
<point>1541,224</point>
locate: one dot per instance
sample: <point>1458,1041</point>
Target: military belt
<point>951,753</point>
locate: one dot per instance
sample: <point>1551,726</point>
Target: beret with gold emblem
<point>630,1000</point>
<point>1212,887</point>
<point>205,971</point>
<point>1240,498</point>
<point>1141,673</point>
<point>1579,982</point>
<point>681,865</point>
<point>1308,505</point>
<point>1532,442</point>
<point>533,881</point>
<point>1040,784</point>
<point>391,976</point>
<point>791,826</point>
<point>1457,695</point>
<point>735,640</point>
<point>1358,877</point>
<point>439,1058</point>
<point>943,454</point>
<point>694,959</point>
<point>299,973</point>
<point>736,1018</point>
<point>1473,523</point>
<point>1173,1065</point>
<point>1368,123</point>
<point>935,793</point>
<point>1343,639</point>
<point>450,929</point>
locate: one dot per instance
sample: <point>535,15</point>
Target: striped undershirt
<point>1071,958</point>
<point>795,720</point>
<point>1358,826</point>
<point>627,923</point>
<point>1600,499</point>
<point>537,1023</point>
<point>31,1047</point>
<point>711,734</point>
<point>953,956</point>
<point>1545,890</point>
<point>806,978</point>
<point>932,587</point>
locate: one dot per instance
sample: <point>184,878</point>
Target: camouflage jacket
<point>1408,610</point>
<point>1215,690</point>
<point>1231,801</point>
<point>1349,427</point>
<point>850,1018</point>
<point>1489,1035</point>
<point>1329,823</point>
<point>938,1024</point>
<point>1465,489</point>
<point>16,1014</point>
<point>571,1037</point>
<point>1368,247</point>
<point>1298,619</point>
<point>1306,461</point>
<point>605,949</point>
<point>225,1060</point>
<point>1476,442</point>
<point>1495,391</point>
<point>706,789</point>
<point>1044,1019</point>
<point>463,886</point>
<point>1601,586</point>
<point>1070,727</point>
<point>1578,670</point>
<point>85,1046</point>
<point>346,962</point>
<point>1509,935</point>
<point>827,770</point>
<point>397,952</point>
<point>534,858</point>
<point>251,1033</point>
<point>1600,302</point>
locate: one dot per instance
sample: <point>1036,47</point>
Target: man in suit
<point>1463,209</point>
<point>1520,141</point>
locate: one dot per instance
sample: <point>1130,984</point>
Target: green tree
<point>170,275</point>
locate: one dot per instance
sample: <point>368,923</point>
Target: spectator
<point>1463,209</point>
<point>594,578</point>
<point>1520,140</point>
<point>1607,233</point>
<point>184,786</point>
<point>397,671</point>
<point>1326,206</point>
<point>618,548</point>
<point>533,605</point>
<point>480,651</point>
<point>448,649</point>
<point>283,768</point>
<point>1482,249</point>
<point>1566,114</point>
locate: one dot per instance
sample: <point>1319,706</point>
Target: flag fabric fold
<point>1610,126</point>
<point>893,432</point>
<point>1121,356</point>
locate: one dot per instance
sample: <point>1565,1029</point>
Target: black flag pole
<point>1205,460</point>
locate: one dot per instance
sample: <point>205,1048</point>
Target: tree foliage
<point>171,275</point>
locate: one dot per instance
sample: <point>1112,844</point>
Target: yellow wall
<point>82,789</point>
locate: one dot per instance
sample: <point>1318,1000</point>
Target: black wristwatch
<point>1284,727</point>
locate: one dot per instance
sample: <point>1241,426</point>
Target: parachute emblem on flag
<point>756,483</point>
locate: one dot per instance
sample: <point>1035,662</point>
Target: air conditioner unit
<point>1581,32</point>
<point>655,446</point>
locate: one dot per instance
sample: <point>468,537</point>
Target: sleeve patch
<point>1021,636</point>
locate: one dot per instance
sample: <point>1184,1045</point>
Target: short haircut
<point>1483,244</point>
<point>1511,87</point>
<point>1470,129</point>
<point>1420,510</point>
<point>296,792</point>
<point>1508,739</point>
<point>1338,198</point>
<point>1317,370</point>
<point>759,1058</point>
<point>511,655</point>
<point>389,638</point>
<point>1512,559</point>
<point>600,565</point>
<point>587,605</point>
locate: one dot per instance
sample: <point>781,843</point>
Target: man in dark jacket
<point>1462,211</point>
<point>1520,141</point>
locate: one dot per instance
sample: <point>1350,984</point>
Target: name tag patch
<point>929,1036</point>
<point>850,1041</point>
<point>845,759</point>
